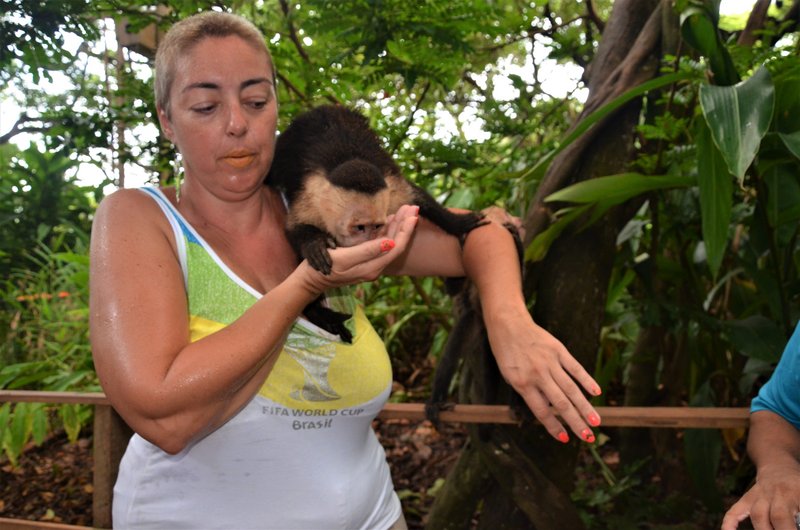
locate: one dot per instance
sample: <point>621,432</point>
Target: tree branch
<point>293,32</point>
<point>625,73</point>
<point>755,22</point>
<point>21,126</point>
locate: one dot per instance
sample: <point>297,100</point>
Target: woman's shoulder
<point>129,206</point>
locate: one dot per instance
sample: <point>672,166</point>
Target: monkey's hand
<point>500,216</point>
<point>312,243</point>
<point>316,252</point>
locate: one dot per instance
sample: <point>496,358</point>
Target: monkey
<point>340,186</point>
<point>468,337</point>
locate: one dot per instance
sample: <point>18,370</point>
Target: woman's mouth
<point>239,159</point>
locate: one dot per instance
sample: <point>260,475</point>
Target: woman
<point>248,416</point>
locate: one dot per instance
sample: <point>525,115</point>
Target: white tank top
<point>301,455</point>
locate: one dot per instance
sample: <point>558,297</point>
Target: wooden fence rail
<point>111,434</point>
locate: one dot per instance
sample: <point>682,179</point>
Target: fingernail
<point>387,245</point>
<point>588,435</point>
<point>596,391</point>
<point>594,419</point>
<point>563,437</point>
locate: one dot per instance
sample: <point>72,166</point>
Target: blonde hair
<point>184,35</point>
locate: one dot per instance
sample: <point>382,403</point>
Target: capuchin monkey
<point>340,186</point>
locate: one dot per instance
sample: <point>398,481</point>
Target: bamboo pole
<point>652,417</point>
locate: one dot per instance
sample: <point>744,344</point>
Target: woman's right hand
<point>365,261</point>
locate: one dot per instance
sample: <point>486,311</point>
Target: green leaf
<point>5,417</point>
<point>787,104</point>
<point>756,337</point>
<point>71,420</point>
<point>703,450</point>
<point>537,171</point>
<point>699,30</point>
<point>716,197</point>
<point>19,431</point>
<point>397,50</point>
<point>616,189</point>
<point>538,248</point>
<point>40,425</point>
<point>792,142</point>
<point>739,117</point>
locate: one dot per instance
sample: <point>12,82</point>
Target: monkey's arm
<point>312,243</point>
<point>456,223</point>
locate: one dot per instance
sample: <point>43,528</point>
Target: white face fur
<point>362,218</point>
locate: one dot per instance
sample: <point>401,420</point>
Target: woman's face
<point>223,115</point>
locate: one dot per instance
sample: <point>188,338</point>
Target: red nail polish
<point>588,435</point>
<point>596,391</point>
<point>563,437</point>
<point>594,419</point>
<point>387,245</point>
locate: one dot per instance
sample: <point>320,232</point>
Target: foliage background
<point>704,290</point>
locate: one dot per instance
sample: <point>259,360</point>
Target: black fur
<point>338,142</point>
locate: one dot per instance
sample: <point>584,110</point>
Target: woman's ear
<point>166,125</point>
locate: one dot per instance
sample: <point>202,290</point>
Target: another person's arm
<point>773,501</point>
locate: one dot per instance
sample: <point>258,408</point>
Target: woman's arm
<point>531,360</point>
<point>167,389</point>
<point>774,446</point>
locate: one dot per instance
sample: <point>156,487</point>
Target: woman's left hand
<point>532,361</point>
<point>544,373</point>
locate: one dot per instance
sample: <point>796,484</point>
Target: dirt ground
<point>53,482</point>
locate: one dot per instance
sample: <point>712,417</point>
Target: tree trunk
<point>533,475</point>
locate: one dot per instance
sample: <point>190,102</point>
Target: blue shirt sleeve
<point>781,394</point>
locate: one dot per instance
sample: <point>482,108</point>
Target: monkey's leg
<point>312,243</point>
<point>328,319</point>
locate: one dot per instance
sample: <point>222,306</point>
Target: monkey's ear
<point>163,120</point>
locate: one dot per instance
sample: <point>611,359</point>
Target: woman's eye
<point>258,104</point>
<point>204,109</point>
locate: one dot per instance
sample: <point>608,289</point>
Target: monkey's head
<point>363,202</point>
<point>366,220</point>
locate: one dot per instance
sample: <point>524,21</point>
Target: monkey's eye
<point>379,226</point>
<point>361,228</point>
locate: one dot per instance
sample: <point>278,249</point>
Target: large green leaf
<point>703,450</point>
<point>739,117</point>
<point>787,104</point>
<point>756,337</point>
<point>716,197</point>
<point>537,171</point>
<point>792,142</point>
<point>615,189</point>
<point>538,248</point>
<point>598,195</point>
<point>699,30</point>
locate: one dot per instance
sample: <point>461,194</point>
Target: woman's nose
<point>237,121</point>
